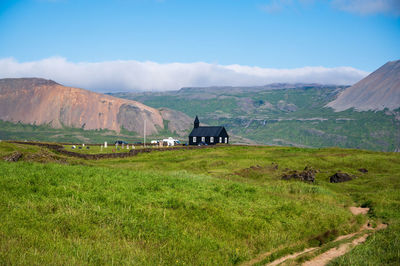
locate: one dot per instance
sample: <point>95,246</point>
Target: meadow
<point>214,206</point>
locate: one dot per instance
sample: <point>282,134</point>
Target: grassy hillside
<point>191,207</point>
<point>19,131</point>
<point>289,117</point>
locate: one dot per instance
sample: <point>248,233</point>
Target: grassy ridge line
<point>93,155</point>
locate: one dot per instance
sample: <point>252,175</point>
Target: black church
<point>207,135</point>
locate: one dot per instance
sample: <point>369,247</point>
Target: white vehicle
<point>171,141</point>
<point>154,141</point>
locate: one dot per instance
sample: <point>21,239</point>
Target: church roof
<point>209,131</point>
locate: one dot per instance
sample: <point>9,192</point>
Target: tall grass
<point>57,214</point>
<point>191,207</point>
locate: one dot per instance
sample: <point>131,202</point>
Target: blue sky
<point>278,34</point>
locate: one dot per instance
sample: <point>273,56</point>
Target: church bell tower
<point>196,122</point>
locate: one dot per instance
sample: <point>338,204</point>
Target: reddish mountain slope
<point>379,90</point>
<point>40,101</point>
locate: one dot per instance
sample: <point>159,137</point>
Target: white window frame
<point>211,139</point>
<point>220,139</point>
<point>226,140</point>
<point>194,139</point>
<point>203,139</point>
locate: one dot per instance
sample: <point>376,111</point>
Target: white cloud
<point>276,6</point>
<point>134,75</point>
<point>366,7</point>
<point>361,7</point>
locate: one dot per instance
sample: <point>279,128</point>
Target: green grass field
<point>96,149</point>
<point>19,131</point>
<point>191,207</point>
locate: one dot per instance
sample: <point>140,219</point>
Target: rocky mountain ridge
<point>39,101</point>
<point>378,91</point>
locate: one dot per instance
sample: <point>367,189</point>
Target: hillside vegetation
<point>222,205</point>
<point>290,116</point>
<point>46,133</point>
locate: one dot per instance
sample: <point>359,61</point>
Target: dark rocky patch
<point>340,177</point>
<point>363,170</point>
<point>307,175</point>
<point>14,157</point>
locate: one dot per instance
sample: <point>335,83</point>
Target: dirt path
<point>359,210</point>
<point>332,253</point>
<point>335,252</point>
<point>291,256</point>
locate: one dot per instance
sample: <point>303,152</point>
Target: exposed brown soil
<point>332,253</point>
<point>359,210</point>
<point>291,256</point>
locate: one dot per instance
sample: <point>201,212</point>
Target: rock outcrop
<point>14,157</point>
<point>307,175</point>
<point>40,101</point>
<point>340,177</point>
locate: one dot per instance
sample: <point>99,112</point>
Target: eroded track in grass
<point>325,257</point>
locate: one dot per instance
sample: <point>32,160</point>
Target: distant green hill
<point>282,114</point>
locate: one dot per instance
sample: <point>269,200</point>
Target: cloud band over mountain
<point>124,75</point>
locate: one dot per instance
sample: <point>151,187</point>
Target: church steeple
<point>196,122</point>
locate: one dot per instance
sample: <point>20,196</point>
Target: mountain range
<point>365,115</point>
<point>296,114</point>
<point>40,101</point>
<point>378,91</point>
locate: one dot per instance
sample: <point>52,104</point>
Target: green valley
<point>282,114</point>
